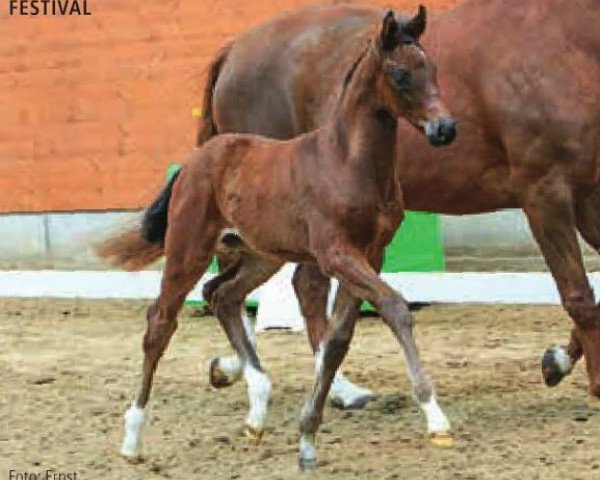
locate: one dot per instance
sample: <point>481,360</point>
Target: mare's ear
<point>415,27</point>
<point>389,37</point>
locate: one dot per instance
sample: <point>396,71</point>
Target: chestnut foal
<point>330,197</point>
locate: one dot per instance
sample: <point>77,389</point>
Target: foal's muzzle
<point>440,131</point>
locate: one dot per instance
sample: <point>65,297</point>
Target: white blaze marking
<point>436,420</point>
<point>259,391</point>
<point>135,419</point>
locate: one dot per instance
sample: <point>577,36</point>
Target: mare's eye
<point>401,78</point>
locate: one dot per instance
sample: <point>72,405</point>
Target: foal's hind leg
<point>188,252</point>
<point>312,291</point>
<point>227,303</point>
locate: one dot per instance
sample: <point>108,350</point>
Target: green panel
<point>417,246</point>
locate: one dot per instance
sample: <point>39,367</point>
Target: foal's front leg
<point>329,356</point>
<point>361,281</point>
<point>353,269</point>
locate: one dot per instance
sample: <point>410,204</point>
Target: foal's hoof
<point>556,365</point>
<point>356,403</point>
<point>134,458</point>
<point>442,439</point>
<point>218,379</point>
<point>253,434</point>
<point>307,464</point>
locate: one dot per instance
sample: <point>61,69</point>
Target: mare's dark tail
<point>141,245</point>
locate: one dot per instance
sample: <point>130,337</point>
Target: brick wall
<point>92,109</point>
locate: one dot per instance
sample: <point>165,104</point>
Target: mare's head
<point>406,78</point>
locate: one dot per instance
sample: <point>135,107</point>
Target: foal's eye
<point>401,78</point>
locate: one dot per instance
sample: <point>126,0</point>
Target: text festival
<point>48,7</point>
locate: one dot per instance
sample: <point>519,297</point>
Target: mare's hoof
<point>556,365</point>
<point>357,403</point>
<point>217,377</point>
<point>442,439</point>
<point>253,434</point>
<point>307,464</point>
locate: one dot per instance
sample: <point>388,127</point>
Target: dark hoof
<point>552,370</point>
<point>307,464</point>
<point>357,403</point>
<point>217,378</point>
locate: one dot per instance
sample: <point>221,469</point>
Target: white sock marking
<point>259,391</point>
<point>135,418</point>
<point>308,449</point>
<point>436,420</point>
<point>344,391</point>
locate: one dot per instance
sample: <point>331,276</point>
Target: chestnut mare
<point>528,74</point>
<point>297,201</point>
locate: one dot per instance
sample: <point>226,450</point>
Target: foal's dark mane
<point>352,70</point>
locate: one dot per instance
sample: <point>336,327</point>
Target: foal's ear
<point>389,37</point>
<point>415,27</point>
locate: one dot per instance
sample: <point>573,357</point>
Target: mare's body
<point>528,74</point>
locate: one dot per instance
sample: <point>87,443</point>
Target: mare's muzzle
<point>440,131</point>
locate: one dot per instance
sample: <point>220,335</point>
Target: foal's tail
<point>208,128</point>
<point>138,247</point>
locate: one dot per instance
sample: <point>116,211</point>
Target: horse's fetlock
<point>423,391</point>
<point>309,423</point>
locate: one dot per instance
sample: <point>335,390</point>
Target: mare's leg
<point>227,302</point>
<point>189,243</point>
<point>362,281</point>
<point>550,211</point>
<point>312,291</point>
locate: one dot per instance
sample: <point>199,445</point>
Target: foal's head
<point>405,83</point>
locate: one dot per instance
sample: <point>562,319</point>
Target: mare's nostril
<point>447,130</point>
